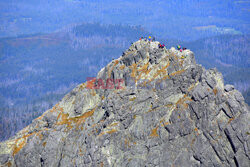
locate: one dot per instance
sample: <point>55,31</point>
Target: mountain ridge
<point>37,72</point>
<point>168,111</point>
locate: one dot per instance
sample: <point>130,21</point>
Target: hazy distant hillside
<point>36,71</point>
<point>227,50</point>
<point>184,20</point>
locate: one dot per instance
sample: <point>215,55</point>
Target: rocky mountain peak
<point>150,107</point>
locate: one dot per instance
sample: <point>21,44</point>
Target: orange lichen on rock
<point>19,145</point>
<point>111,131</point>
<point>60,109</point>
<point>41,117</point>
<point>17,148</point>
<point>177,72</point>
<point>132,99</point>
<point>153,109</point>
<point>168,105</point>
<point>127,142</point>
<point>156,108</point>
<point>40,135</point>
<point>192,142</point>
<point>185,105</point>
<point>191,87</point>
<point>215,91</point>
<point>137,71</point>
<point>114,124</point>
<point>166,123</point>
<point>160,71</point>
<point>230,120</point>
<point>82,86</point>
<point>81,152</point>
<point>81,119</point>
<point>163,124</point>
<point>133,67</point>
<point>9,164</point>
<point>144,68</point>
<point>175,57</point>
<point>181,63</point>
<point>65,120</point>
<point>108,132</point>
<point>154,132</point>
<point>93,92</point>
<point>122,67</point>
<point>103,97</point>
<point>55,108</point>
<point>182,101</point>
<point>44,144</point>
<point>111,69</point>
<point>165,77</point>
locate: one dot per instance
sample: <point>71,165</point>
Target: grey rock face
<point>161,110</point>
<point>229,88</point>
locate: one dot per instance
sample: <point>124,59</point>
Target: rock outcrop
<point>162,110</point>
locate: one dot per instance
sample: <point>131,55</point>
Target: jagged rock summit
<point>163,110</point>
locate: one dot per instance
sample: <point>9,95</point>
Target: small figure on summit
<point>178,47</point>
<point>149,38</point>
<point>161,45</point>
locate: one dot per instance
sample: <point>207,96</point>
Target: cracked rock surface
<point>166,111</point>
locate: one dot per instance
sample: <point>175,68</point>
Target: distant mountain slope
<point>226,50</point>
<point>184,20</point>
<point>36,71</point>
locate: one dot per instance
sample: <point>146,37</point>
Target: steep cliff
<point>162,110</point>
